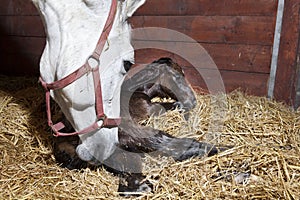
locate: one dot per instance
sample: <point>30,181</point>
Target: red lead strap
<point>102,121</point>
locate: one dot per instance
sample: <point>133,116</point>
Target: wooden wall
<point>238,35</point>
<point>22,38</point>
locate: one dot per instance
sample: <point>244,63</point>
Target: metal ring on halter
<point>93,62</point>
<point>101,121</point>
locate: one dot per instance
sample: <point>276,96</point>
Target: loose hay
<point>264,163</point>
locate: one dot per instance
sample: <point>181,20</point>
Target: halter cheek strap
<point>102,121</point>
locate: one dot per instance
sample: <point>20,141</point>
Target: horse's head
<point>73,28</point>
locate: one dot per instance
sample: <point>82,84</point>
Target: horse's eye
<point>127,65</point>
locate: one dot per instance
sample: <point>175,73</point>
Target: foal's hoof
<point>134,187</point>
<point>143,188</point>
<point>178,105</point>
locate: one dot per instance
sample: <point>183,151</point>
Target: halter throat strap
<point>102,121</point>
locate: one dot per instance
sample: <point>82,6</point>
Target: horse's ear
<point>132,6</point>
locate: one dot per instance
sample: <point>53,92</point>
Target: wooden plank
<point>208,7</point>
<point>19,64</point>
<point>232,30</point>
<point>287,61</point>
<point>250,30</point>
<point>17,7</point>
<point>251,83</point>
<point>29,45</point>
<point>170,7</point>
<point>22,26</point>
<point>246,58</point>
<point>215,29</point>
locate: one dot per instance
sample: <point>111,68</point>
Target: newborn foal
<point>140,105</point>
<point>162,78</point>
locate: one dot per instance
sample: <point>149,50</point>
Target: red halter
<point>102,120</point>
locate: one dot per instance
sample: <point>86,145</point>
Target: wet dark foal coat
<point>162,78</point>
<point>143,83</point>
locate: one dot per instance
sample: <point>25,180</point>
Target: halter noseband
<point>102,121</point>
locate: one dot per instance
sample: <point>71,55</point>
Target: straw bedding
<point>263,164</point>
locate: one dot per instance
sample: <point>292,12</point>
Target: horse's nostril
<point>83,153</point>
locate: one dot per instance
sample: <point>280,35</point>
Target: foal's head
<point>170,82</point>
<point>163,78</point>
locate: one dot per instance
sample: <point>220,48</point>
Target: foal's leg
<point>128,166</point>
<point>183,148</point>
<point>136,138</point>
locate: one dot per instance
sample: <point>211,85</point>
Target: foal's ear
<point>132,6</point>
